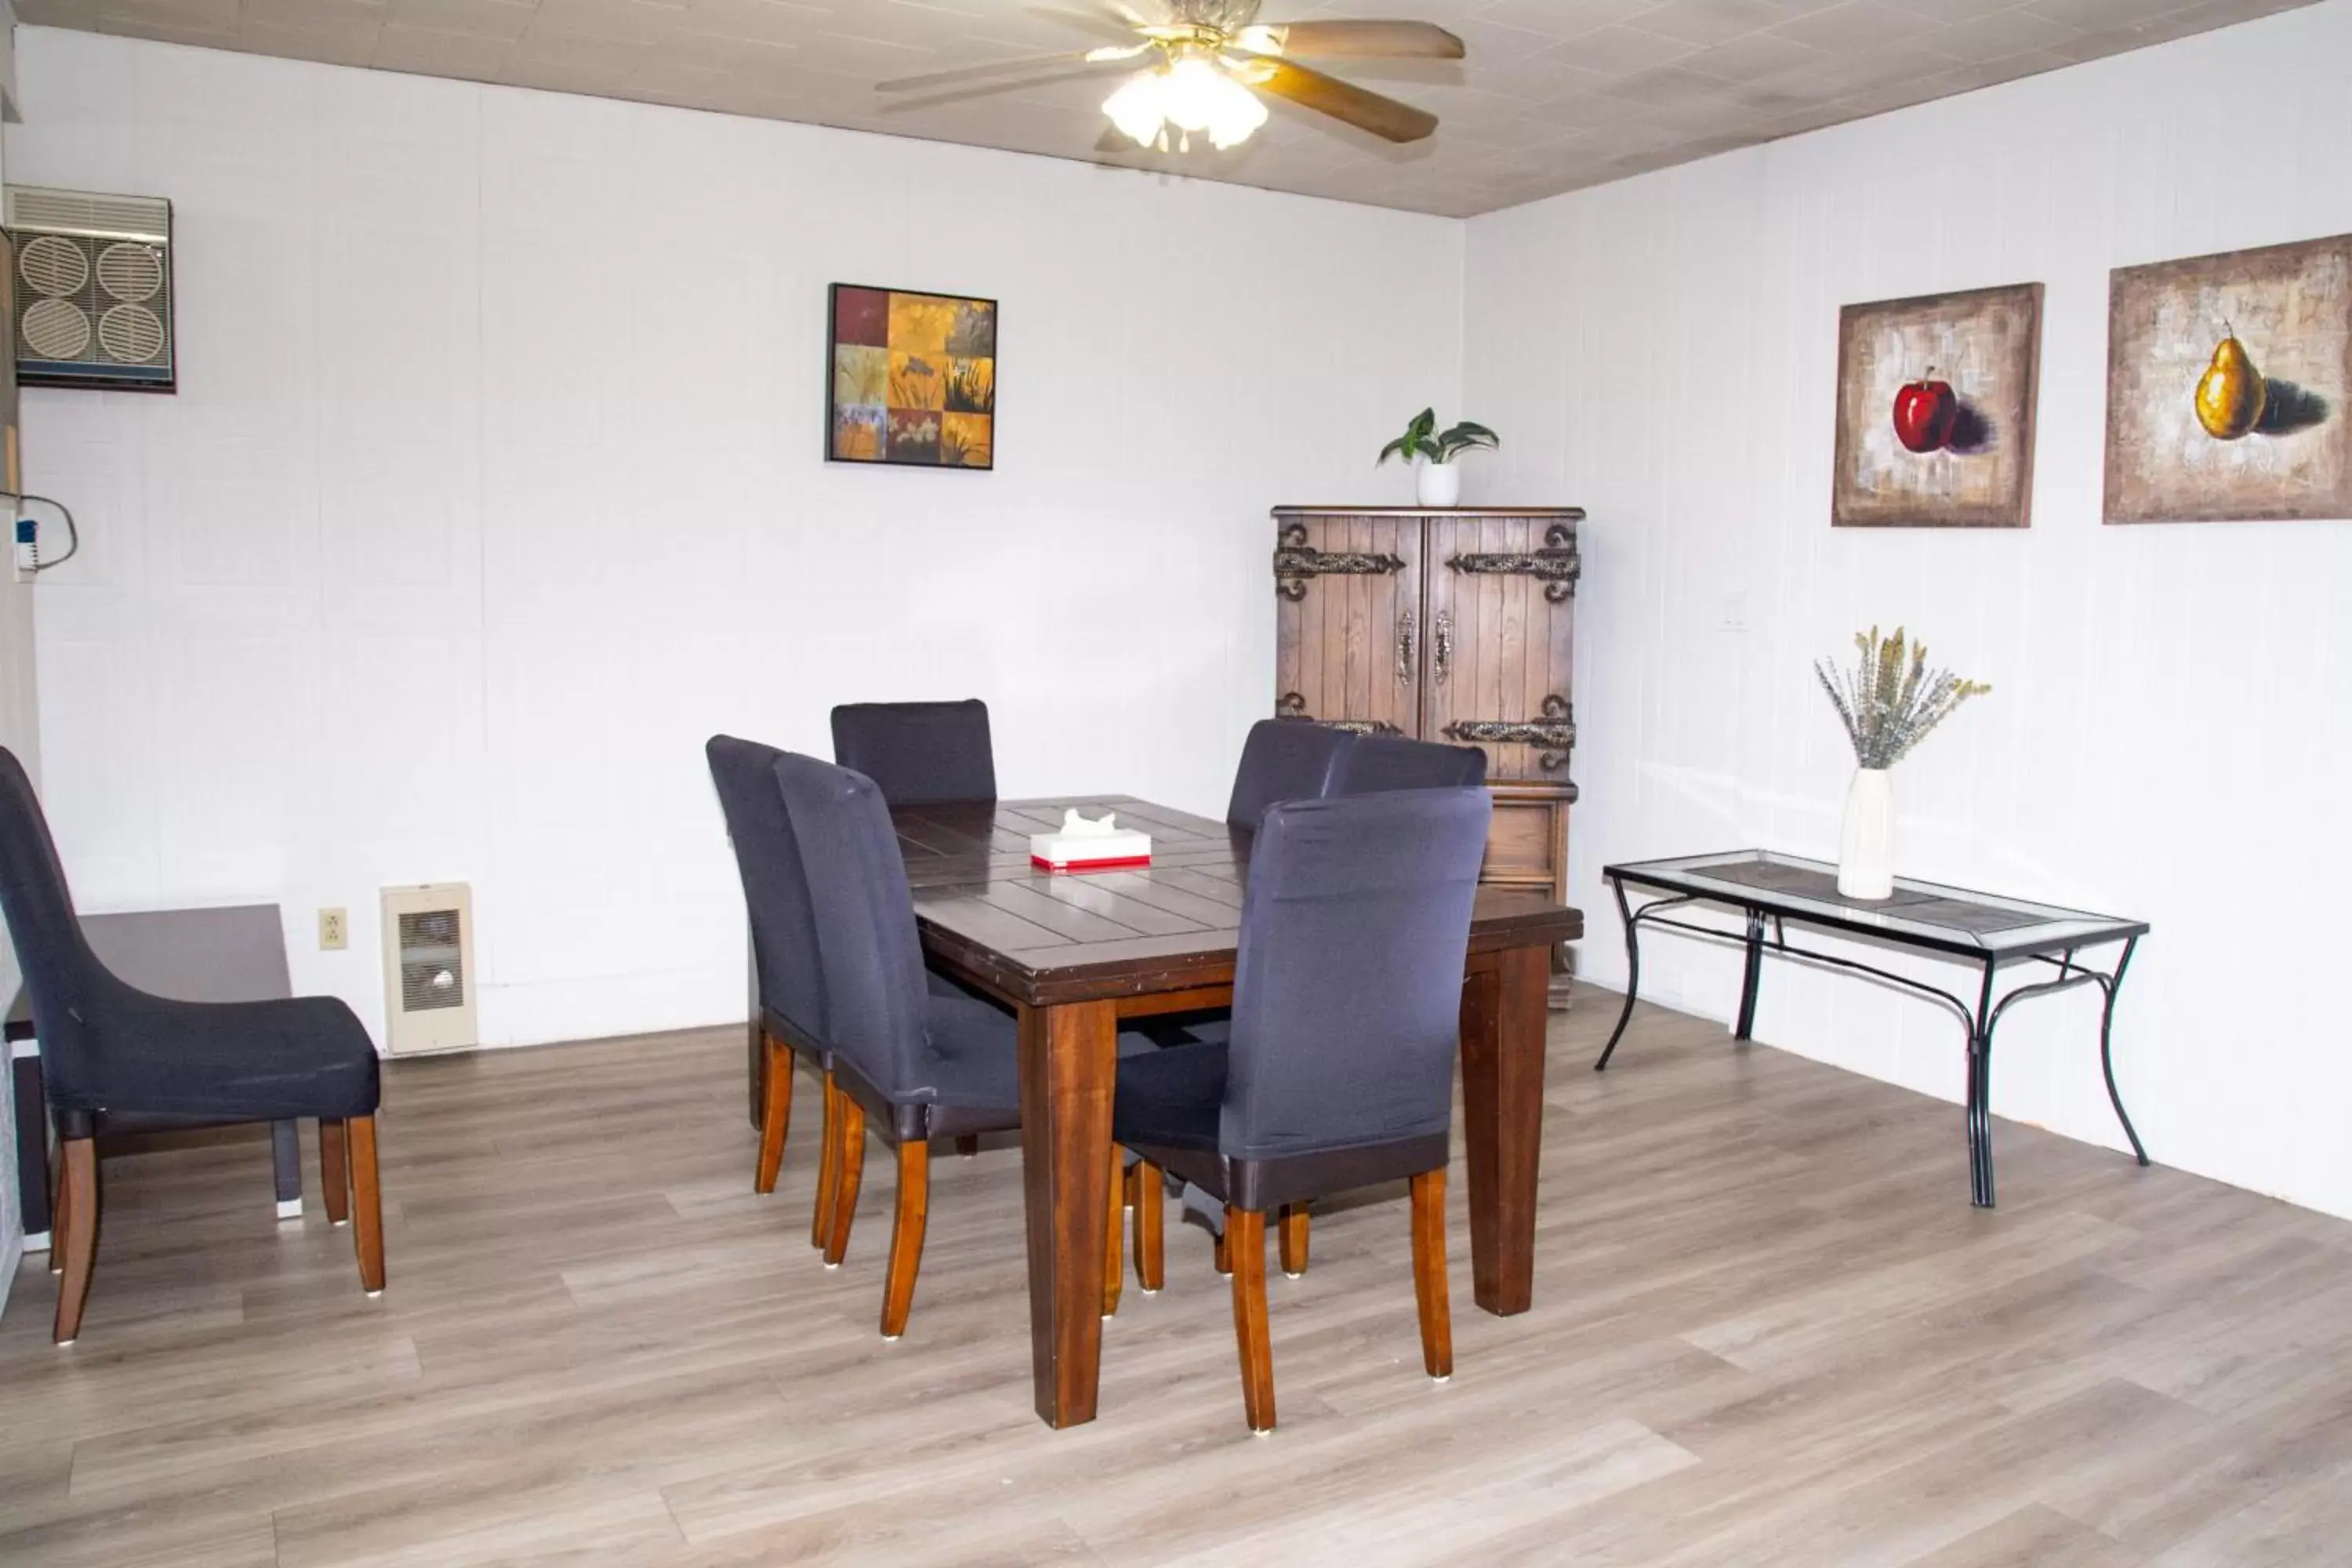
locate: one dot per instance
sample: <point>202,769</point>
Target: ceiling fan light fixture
<point>1237,118</point>
<point>1140,106</point>
<point>1190,94</point>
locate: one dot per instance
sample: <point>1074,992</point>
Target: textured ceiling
<point>1555,95</point>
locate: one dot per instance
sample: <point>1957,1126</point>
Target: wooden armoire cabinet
<point>1454,625</point>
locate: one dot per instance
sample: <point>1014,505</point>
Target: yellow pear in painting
<point>2232,392</point>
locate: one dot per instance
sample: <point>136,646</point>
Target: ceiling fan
<point>1205,64</point>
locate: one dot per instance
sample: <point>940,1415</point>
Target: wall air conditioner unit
<point>428,968</point>
<point>93,290</point>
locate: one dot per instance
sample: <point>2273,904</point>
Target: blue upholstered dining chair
<point>783,953</point>
<point>919,1063</point>
<point>919,753</point>
<point>1340,1069</point>
<point>1376,764</point>
<point>108,1047</point>
<point>1284,759</point>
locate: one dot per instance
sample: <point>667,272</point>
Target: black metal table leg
<point>1632,972</point>
<point>2113,983</point>
<point>1745,1028</point>
<point>1979,1107</point>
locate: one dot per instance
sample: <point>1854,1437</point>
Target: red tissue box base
<point>1122,863</point>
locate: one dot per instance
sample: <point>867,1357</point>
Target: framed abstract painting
<point>1934,410</point>
<point>911,379</point>
<point>2227,380</point>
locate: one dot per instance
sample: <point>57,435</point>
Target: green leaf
<point>1393,448</point>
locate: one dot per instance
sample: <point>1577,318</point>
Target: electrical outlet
<point>334,934</point>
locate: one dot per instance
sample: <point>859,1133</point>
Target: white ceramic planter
<point>1438,484</point>
<point>1866,844</point>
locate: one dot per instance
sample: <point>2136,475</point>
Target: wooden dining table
<point>1075,953</point>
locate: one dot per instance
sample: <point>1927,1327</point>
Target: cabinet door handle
<point>1442,644</point>
<point>1408,633</point>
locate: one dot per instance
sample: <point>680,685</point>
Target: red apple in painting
<point>1925,412</point>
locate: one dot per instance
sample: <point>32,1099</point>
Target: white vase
<point>1439,484</point>
<point>1866,843</point>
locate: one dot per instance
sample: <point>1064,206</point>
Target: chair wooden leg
<point>1429,1274</point>
<point>1150,1210</point>
<point>1245,1250</point>
<point>775,1115</point>
<point>906,1235</point>
<point>75,1234</point>
<point>60,1215</point>
<point>367,1204</point>
<point>1293,1229</point>
<point>1224,1253</point>
<point>828,1167</point>
<point>335,1170</point>
<point>850,1169</point>
<point>968,1145</point>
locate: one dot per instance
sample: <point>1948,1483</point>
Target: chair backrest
<point>64,978</point>
<point>919,753</point>
<point>1284,759</point>
<point>1347,986</point>
<point>775,889</point>
<point>873,961</point>
<point>1376,764</point>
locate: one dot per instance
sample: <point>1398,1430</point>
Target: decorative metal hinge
<point>1557,565</point>
<point>1292,705</point>
<point>1295,561</point>
<point>1554,735</point>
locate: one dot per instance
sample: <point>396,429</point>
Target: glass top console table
<point>1981,929</point>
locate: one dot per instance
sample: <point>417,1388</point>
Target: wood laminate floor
<point>1768,1330</point>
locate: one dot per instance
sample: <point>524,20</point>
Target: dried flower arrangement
<point>1889,703</point>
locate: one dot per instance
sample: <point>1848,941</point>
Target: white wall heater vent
<point>92,294</point>
<point>428,968</point>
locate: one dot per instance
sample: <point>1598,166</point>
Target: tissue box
<point>1089,851</point>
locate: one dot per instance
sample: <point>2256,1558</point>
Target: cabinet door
<point>1501,632</point>
<point>1348,631</point>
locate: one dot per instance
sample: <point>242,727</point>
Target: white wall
<point>494,487</point>
<point>20,734</point>
<point>2168,733</point>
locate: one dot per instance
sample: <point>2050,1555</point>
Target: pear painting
<point>2227,381</point>
<point>2232,392</point>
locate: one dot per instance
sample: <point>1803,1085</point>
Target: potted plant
<point>1888,704</point>
<point>1432,451</point>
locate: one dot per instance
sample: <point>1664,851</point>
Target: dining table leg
<point>1069,1057</point>
<point>1504,1010</point>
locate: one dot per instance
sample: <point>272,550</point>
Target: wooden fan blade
<point>1080,60</point>
<point>1363,40</point>
<point>1383,117</point>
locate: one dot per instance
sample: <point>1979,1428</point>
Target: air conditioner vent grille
<point>132,272</point>
<point>95,308</point>
<point>54,266</point>
<point>87,211</point>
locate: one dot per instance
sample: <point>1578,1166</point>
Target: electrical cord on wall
<point>73,534</point>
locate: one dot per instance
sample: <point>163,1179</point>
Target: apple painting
<point>1925,411</point>
<point>1934,410</point>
